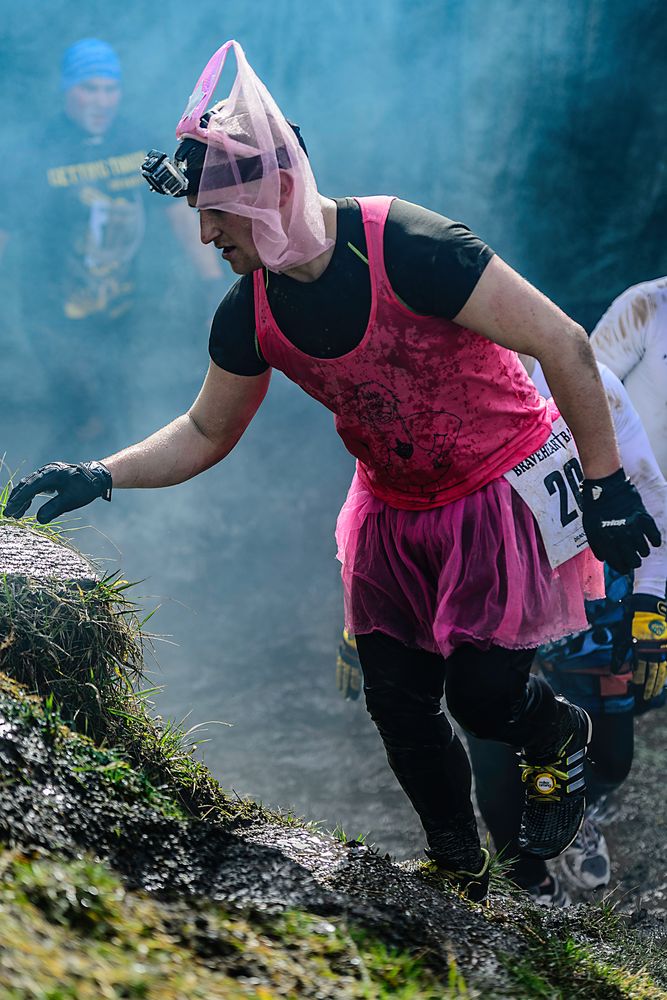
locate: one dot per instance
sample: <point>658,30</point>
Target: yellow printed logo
<point>545,783</point>
<point>658,627</point>
<point>645,625</point>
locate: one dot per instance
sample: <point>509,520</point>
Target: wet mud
<point>60,797</point>
<point>635,826</point>
<point>53,800</point>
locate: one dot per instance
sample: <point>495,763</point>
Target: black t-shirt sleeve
<point>433,263</point>
<point>232,344</point>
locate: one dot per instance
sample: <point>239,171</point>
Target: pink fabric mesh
<point>472,571</point>
<point>249,144</point>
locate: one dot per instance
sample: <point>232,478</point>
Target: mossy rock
<point>28,553</point>
<point>66,630</point>
<point>75,638</point>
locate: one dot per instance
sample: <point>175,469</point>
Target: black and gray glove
<point>75,486</point>
<point>617,525</point>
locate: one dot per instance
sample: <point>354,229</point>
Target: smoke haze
<point>541,126</point>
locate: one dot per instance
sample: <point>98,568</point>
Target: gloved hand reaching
<point>649,643</point>
<point>616,523</point>
<point>75,486</point>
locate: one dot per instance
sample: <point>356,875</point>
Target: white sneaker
<point>586,862</point>
<point>606,810</point>
<point>551,892</point>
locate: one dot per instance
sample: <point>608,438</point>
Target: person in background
<point>349,680</point>
<point>615,670</point>
<point>79,258</point>
<point>450,579</point>
<point>631,339</point>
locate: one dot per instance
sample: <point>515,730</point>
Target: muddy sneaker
<point>586,861</point>
<point>551,892</point>
<point>472,885</point>
<point>555,791</point>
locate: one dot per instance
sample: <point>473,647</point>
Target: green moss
<point>403,975</point>
<point>82,895</point>
<point>109,765</point>
<point>559,967</point>
<point>71,929</point>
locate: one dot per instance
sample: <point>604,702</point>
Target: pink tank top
<point>431,410</point>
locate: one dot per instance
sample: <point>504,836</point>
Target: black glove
<point>75,485</point>
<point>616,523</point>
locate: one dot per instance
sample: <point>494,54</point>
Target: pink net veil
<point>249,144</point>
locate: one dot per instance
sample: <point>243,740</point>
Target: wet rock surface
<point>26,552</point>
<point>51,801</point>
<point>58,797</point>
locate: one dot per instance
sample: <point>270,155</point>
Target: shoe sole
<point>575,881</point>
<point>590,726</point>
<point>553,904</point>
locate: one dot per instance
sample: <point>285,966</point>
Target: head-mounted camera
<point>163,174</point>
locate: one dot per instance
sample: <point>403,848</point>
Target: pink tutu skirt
<point>473,571</point>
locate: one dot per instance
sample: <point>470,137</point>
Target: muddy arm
<point>505,308</point>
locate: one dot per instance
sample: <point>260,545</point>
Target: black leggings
<point>499,790</point>
<point>490,693</point>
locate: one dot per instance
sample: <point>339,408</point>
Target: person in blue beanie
<point>91,81</point>
<point>77,268</point>
<point>81,284</point>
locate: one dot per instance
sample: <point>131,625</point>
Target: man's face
<point>93,103</point>
<point>230,233</point>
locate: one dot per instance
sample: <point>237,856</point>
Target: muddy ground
<point>636,831</point>
<point>61,797</point>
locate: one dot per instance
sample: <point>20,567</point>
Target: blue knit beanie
<point>87,58</point>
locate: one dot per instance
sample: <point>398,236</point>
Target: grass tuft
<point>81,647</point>
<point>71,929</point>
<point>81,650</point>
<point>561,967</point>
<point>339,834</point>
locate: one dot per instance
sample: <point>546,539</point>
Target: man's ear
<point>286,187</point>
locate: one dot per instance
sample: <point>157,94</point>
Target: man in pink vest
<point>461,538</point>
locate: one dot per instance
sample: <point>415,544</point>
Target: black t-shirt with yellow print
<point>82,223</point>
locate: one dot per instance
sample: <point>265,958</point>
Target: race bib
<point>548,481</point>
